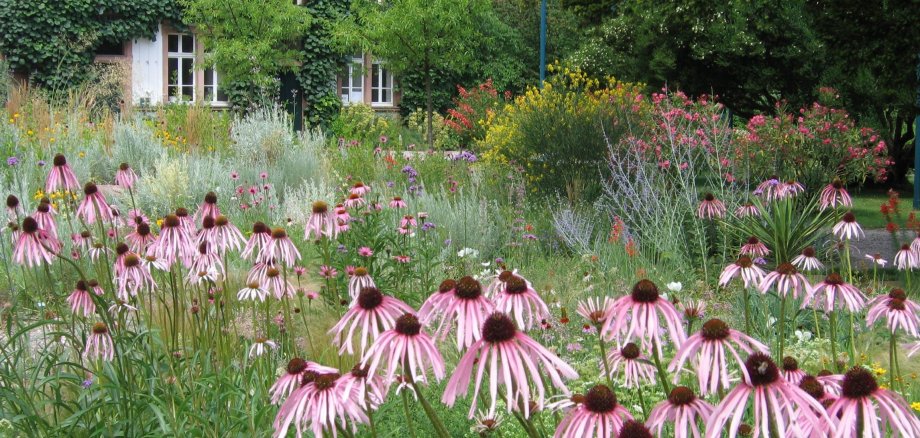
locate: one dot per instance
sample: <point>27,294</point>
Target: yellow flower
<point>51,140</point>
<point>39,194</point>
<point>12,121</point>
<point>915,406</point>
<point>16,115</point>
<point>880,371</point>
<point>82,154</point>
<point>29,132</point>
<point>159,222</point>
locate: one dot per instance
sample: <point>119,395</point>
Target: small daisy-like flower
<point>754,248</point>
<point>398,203</point>
<point>360,189</point>
<point>711,208</point>
<point>750,273</point>
<point>365,251</point>
<point>630,365</point>
<point>847,228</point>
<point>807,261</point>
<point>261,346</point>
<point>877,259</point>
<point>328,271</point>
<point>253,292</point>
<point>787,280</point>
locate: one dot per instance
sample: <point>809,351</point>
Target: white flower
<point>467,252</point>
<point>675,286</point>
<point>261,346</point>
<point>803,335</point>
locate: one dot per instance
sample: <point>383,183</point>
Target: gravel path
<point>878,242</point>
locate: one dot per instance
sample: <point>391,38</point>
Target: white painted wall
<point>147,69</point>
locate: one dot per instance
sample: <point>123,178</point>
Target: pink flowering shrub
<point>471,110</point>
<point>812,146</point>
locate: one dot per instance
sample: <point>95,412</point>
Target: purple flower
<point>12,161</point>
<point>760,261</point>
<point>465,156</point>
<point>41,163</point>
<point>427,226</point>
<point>499,260</point>
<point>447,242</point>
<point>529,236</point>
<point>342,248</point>
<point>87,383</point>
<point>390,183</point>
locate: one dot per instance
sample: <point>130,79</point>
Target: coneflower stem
<point>432,415</point>
<point>641,401</point>
<point>600,341</point>
<point>782,327</point>
<point>747,312</point>
<point>852,340</point>
<point>891,353</point>
<point>833,338</point>
<point>662,375</point>
<point>405,400</point>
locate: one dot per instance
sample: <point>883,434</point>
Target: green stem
<point>405,400</point>
<point>891,366</point>
<point>600,341</point>
<point>833,337</point>
<point>642,401</point>
<point>782,328</point>
<point>662,375</point>
<point>747,312</point>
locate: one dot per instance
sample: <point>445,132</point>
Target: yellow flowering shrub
<point>559,134</point>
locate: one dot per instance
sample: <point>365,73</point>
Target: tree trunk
<point>429,102</point>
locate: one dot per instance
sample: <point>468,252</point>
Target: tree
<point>416,36</point>
<point>871,61</point>
<point>750,52</point>
<point>250,41</point>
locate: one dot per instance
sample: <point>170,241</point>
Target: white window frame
<point>379,76</point>
<point>215,84</point>
<point>349,92</point>
<point>180,56</point>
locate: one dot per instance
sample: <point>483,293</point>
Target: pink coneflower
<point>136,217</point>
<point>280,247</point>
<point>786,279</point>
<point>61,176</point>
<point>683,410</point>
<point>206,260</point>
<point>748,209</point>
<point>95,288</point>
<point>208,207</point>
<point>99,344</point>
<point>82,240</point>
<point>277,285</point>
<point>486,424</point>
<point>260,238</point>
<point>132,278</point>
<point>630,364</point>
<point>326,271</point>
<point>360,280</point>
<point>402,258</point>
<point>406,346</point>
<point>711,208</point>
<point>866,410</point>
<point>408,221</point>
<point>708,350</point>
<point>791,188</point>
<point>816,389</point>
<point>437,302</point>
<point>354,200</point>
<point>398,202</point>
<point>905,259</point>
<point>469,308</point>
<point>321,223</point>
<point>319,404</point>
<point>292,377</point>
<point>877,259</point>
<point>93,204</point>
<point>833,292</point>
<point>45,218</point>
<point>80,300</point>
<point>262,345</point>
<point>125,176</point>
<point>519,300</point>
<point>362,387</point>
<point>807,261</point>
<point>915,244</point>
<point>599,415</point>
<point>258,272</point>
<point>174,242</point>
<point>831,382</point>
<point>141,238</point>
<point>224,235</point>
<point>33,245</point>
<point>13,208</point>
<point>504,350</point>
<point>835,195</point>
<point>253,291</point>
<point>750,273</point>
<point>779,407</point>
<point>365,251</point>
<point>847,228</point>
<point>595,310</point>
<point>373,312</point>
<point>634,429</point>
<point>754,248</point>
<point>791,371</point>
<point>360,189</point>
<point>771,189</point>
<point>406,230</point>
<point>643,309</point>
<point>899,312</point>
<point>342,217</point>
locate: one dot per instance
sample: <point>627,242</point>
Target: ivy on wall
<point>53,41</point>
<point>320,61</point>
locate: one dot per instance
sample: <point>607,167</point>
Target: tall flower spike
<point>512,359</point>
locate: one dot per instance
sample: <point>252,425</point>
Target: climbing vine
<point>54,40</point>
<point>320,63</point>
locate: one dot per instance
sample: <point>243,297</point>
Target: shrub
<point>814,146</point>
<point>472,109</point>
<point>559,133</point>
<point>444,137</point>
<point>360,122</point>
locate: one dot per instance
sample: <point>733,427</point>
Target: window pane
<point>375,76</point>
<point>357,79</point>
<point>386,96</point>
<point>387,78</point>
<point>188,92</point>
<point>188,44</point>
<point>188,74</point>
<point>173,43</point>
<point>208,94</point>
<point>375,95</point>
<point>171,91</point>
<point>221,96</point>
<point>208,77</point>
<point>172,71</point>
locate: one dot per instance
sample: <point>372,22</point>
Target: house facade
<point>167,69</point>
